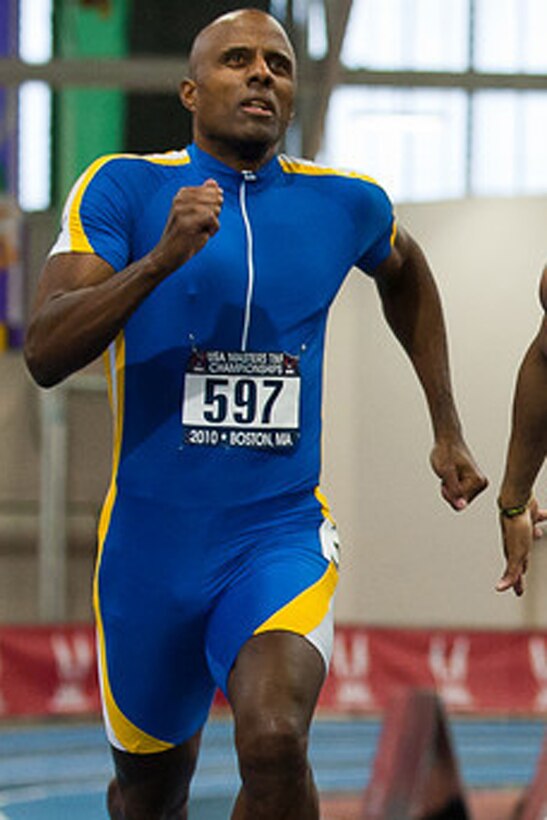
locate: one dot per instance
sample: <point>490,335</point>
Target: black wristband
<point>513,512</point>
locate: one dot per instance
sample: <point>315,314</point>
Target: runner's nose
<point>260,70</point>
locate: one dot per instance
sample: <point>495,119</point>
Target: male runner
<point>520,515</point>
<point>205,276</point>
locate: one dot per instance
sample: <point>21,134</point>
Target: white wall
<point>407,557</point>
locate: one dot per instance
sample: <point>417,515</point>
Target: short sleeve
<point>97,216</point>
<point>380,231</point>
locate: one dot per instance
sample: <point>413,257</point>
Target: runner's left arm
<point>412,307</point>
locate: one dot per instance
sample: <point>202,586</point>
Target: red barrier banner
<point>472,671</point>
<point>48,671</point>
<point>52,670</point>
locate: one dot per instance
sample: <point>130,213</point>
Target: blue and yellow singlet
<point>213,529</point>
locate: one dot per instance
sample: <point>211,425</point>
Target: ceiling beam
<point>158,75</point>
<point>153,75</point>
<point>468,80</point>
<point>320,77</point>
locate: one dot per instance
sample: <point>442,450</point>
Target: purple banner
<point>8,99</point>
<point>11,275</point>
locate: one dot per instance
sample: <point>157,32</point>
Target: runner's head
<point>241,87</point>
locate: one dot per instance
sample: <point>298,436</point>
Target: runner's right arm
<point>81,306</point>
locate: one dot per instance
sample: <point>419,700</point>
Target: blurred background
<point>444,102</point>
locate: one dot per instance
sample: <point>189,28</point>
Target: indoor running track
<point>52,772</point>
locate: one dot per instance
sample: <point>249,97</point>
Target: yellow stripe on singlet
<point>307,168</point>
<point>393,236</point>
<point>325,509</point>
<point>78,239</point>
<point>130,736</point>
<point>307,611</point>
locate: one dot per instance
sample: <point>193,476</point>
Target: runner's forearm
<point>528,441</point>
<point>413,310</point>
<point>72,328</point>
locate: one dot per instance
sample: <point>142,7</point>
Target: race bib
<point>236,399</point>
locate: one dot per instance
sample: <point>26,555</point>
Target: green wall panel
<point>89,121</point>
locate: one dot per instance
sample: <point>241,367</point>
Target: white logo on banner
<point>74,657</point>
<point>450,670</point>
<point>2,701</point>
<point>350,662</point>
<point>538,659</point>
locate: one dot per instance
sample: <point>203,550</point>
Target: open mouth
<point>257,108</point>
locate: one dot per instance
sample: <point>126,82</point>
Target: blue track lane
<point>58,773</point>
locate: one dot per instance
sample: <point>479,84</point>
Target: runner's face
<point>242,91</point>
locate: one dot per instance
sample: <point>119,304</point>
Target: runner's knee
<point>272,747</point>
<point>156,787</point>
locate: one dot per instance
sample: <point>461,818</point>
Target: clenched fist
<point>192,221</point>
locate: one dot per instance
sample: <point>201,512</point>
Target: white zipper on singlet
<point>248,176</point>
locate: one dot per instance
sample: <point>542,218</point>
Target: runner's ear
<point>187,94</point>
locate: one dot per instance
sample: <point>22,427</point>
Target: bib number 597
<point>241,402</point>
<point>248,403</point>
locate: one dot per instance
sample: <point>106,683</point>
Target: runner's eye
<point>235,57</point>
<point>280,64</point>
